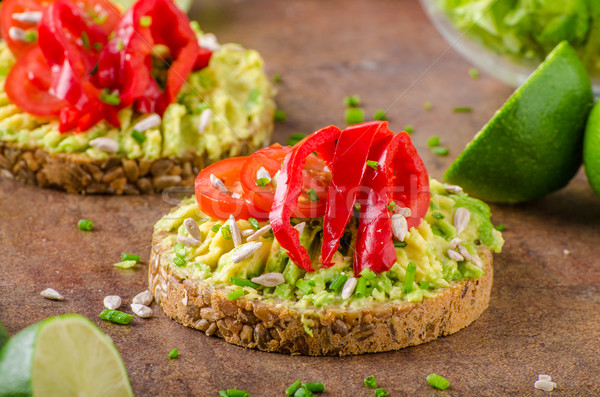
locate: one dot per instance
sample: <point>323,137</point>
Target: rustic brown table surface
<point>545,308</point>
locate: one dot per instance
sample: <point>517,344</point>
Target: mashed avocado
<point>426,246</point>
<point>234,86</point>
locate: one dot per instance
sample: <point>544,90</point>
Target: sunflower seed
<point>269,279</point>
<point>18,34</point>
<point>461,219</point>
<point>205,119</point>
<point>276,178</point>
<point>349,288</point>
<point>259,233</point>
<point>188,241</point>
<point>544,377</point>
<point>236,195</point>
<point>235,231</point>
<point>209,41</point>
<point>218,184</point>
<point>262,173</point>
<point>247,232</point>
<point>455,256</point>
<point>32,17</point>
<point>399,227</point>
<point>544,385</point>
<point>405,212</point>
<point>142,311</point>
<point>185,298</point>
<point>192,228</point>
<point>151,121</point>
<point>454,243</point>
<point>112,302</point>
<point>105,144</point>
<point>143,298</point>
<point>53,294</point>
<point>244,251</point>
<point>300,227</point>
<point>474,259</point>
<point>454,189</point>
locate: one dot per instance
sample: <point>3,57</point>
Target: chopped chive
<point>31,36</point>
<point>116,316</point>
<point>399,244</point>
<point>315,387</point>
<point>391,206</point>
<point>361,287</point>
<point>427,105</point>
<point>85,224</point>
<point>237,393</point>
<point>139,137</point>
<point>370,382</point>
<point>500,227</point>
<point>433,141</point>
<point>130,257</point>
<point>380,392</point>
<point>173,353</point>
<point>179,261</point>
<point>338,283</point>
<point>178,247</point>
<point>279,115</point>
<point>313,195</point>
<point>462,109</point>
<point>128,264</point>
<point>373,164</point>
<point>277,78</point>
<point>352,101</point>
<point>409,277</point>
<point>253,222</point>
<point>433,206</point>
<point>424,285</point>
<point>440,151</point>
<point>216,227</point>
<point>293,387</point>
<point>474,73</point>
<point>354,116</point>
<point>368,274</point>
<point>262,182</point>
<point>304,286</point>
<point>243,282</point>
<point>437,381</point>
<point>85,40</point>
<point>111,99</point>
<point>438,215</point>
<point>409,129</point>
<point>295,138</point>
<point>233,295</point>
<point>226,232</point>
<point>380,115</point>
<point>97,46</point>
<point>303,392</point>
<point>145,21</point>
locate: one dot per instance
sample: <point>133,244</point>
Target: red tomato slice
<point>315,176</point>
<point>220,205</point>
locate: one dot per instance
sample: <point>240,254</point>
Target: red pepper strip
<point>374,247</point>
<point>409,181</point>
<point>349,165</point>
<point>289,187</point>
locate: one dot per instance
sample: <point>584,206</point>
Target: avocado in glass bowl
<point>509,38</point>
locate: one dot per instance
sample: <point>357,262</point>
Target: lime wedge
<point>532,146</point>
<point>591,149</point>
<point>62,356</point>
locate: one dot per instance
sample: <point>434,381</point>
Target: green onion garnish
<point>399,244</point>
<point>237,393</point>
<point>409,129</point>
<point>373,164</point>
<point>242,282</point>
<point>216,227</point>
<point>262,182</point>
<point>391,206</point>
<point>368,274</point>
<point>315,387</point>
<point>370,382</point>
<point>474,73</point>
<point>85,224</point>
<point>313,195</point>
<point>354,116</point>
<point>433,141</point>
<point>381,392</point>
<point>116,316</point>
<point>352,101</point>
<point>279,115</point>
<point>295,138</point>
<point>226,232</point>
<point>292,388</point>
<point>238,293</point>
<point>31,36</point>
<point>179,261</point>
<point>437,381</point>
<point>253,222</point>
<point>338,283</point>
<point>85,40</point>
<point>111,99</point>
<point>440,151</point>
<point>145,21</point>
<point>427,105</point>
<point>409,277</point>
<point>178,247</point>
<point>424,285</point>
<point>380,115</point>
<point>361,287</point>
<point>433,206</point>
<point>97,46</point>
<point>500,227</point>
<point>438,215</point>
<point>304,286</point>
<point>125,264</point>
<point>277,78</point>
<point>174,353</point>
<point>303,392</point>
<point>138,136</point>
<point>130,257</point>
<point>462,109</point>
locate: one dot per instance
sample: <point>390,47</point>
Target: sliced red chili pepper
<point>349,165</point>
<point>289,187</point>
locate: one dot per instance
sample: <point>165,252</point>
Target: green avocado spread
<point>234,87</point>
<point>425,246</point>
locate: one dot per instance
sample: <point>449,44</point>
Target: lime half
<point>62,356</point>
<point>591,149</point>
<point>532,146</point>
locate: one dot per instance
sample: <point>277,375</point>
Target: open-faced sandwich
<point>95,101</point>
<point>339,245</point>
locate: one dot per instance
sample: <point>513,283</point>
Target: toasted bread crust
<point>273,327</point>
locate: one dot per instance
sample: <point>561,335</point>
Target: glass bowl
<point>504,67</point>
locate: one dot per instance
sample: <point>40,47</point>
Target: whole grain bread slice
<point>273,326</point>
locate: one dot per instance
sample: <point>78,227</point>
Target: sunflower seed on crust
<point>151,121</point>
<point>205,119</point>
<point>209,41</point>
<point>454,189</point>
<point>112,302</point>
<point>105,144</point>
<point>349,288</point>
<point>192,228</point>
<point>454,243</point>
<point>269,279</point>
<point>244,251</point>
<point>142,311</point>
<point>462,216</point>
<point>235,231</point>
<point>188,241</point>
<point>143,298</point>
<point>32,17</point>
<point>455,256</point>
<point>262,173</point>
<point>300,227</point>
<point>52,294</point>
<point>18,34</point>
<point>544,377</point>
<point>544,385</point>
<point>276,178</point>
<point>236,195</point>
<point>404,211</point>
<point>259,233</point>
<point>399,226</point>
<point>474,259</point>
<point>218,184</point>
<point>247,232</point>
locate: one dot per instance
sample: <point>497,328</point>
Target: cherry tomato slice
<point>220,205</point>
<point>315,177</point>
